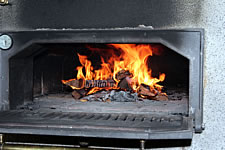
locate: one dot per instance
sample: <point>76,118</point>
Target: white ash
<point>117,96</point>
<point>123,96</point>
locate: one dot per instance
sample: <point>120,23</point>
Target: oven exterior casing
<point>186,42</point>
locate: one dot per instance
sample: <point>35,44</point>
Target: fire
<point>101,74</point>
<point>133,58</point>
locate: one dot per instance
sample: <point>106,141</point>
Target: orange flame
<point>133,58</point>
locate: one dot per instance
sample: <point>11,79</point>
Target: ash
<point>116,96</point>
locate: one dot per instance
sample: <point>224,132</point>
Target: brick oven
<point>128,83</point>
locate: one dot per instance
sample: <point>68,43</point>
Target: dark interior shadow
<point>95,142</point>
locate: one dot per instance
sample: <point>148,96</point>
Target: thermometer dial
<point>5,42</point>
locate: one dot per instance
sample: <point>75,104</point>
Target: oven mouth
<point>41,103</point>
<point>148,82</point>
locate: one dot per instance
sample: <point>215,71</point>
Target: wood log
<point>77,94</point>
<point>143,90</point>
<point>124,84</point>
<point>83,92</point>
<point>89,83</point>
<point>74,83</point>
<point>99,83</point>
<point>122,74</point>
<point>152,93</point>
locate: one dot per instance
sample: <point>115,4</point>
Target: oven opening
<point>102,78</point>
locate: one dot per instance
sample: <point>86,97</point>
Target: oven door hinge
<point>198,125</point>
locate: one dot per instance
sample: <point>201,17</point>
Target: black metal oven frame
<point>187,42</point>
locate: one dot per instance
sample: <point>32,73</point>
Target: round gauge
<point>5,42</point>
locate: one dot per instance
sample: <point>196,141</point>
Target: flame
<point>133,58</point>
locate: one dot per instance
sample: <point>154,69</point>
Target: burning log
<point>99,83</point>
<point>122,74</point>
<point>124,84</point>
<point>129,77</point>
<point>77,94</point>
<point>77,84</point>
<point>152,94</point>
<point>145,91</point>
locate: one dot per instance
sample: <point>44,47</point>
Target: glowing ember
<point>132,59</point>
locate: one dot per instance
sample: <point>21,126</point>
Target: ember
<point>129,73</point>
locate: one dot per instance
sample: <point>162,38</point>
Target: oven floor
<point>65,103</point>
<point>57,115</point>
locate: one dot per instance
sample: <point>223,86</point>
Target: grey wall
<point>207,14</point>
<point>212,19</point>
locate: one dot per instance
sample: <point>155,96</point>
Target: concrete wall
<point>207,14</point>
<point>212,19</point>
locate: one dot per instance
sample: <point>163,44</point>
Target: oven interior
<point>53,63</point>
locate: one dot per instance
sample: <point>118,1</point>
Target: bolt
<point>142,142</point>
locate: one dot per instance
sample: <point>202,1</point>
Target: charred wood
<point>99,83</point>
<point>75,83</point>
<point>145,91</point>
<point>90,83</point>
<point>161,97</point>
<point>124,84</point>
<point>122,74</point>
<point>77,94</point>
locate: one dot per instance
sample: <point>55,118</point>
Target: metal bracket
<point>198,122</point>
